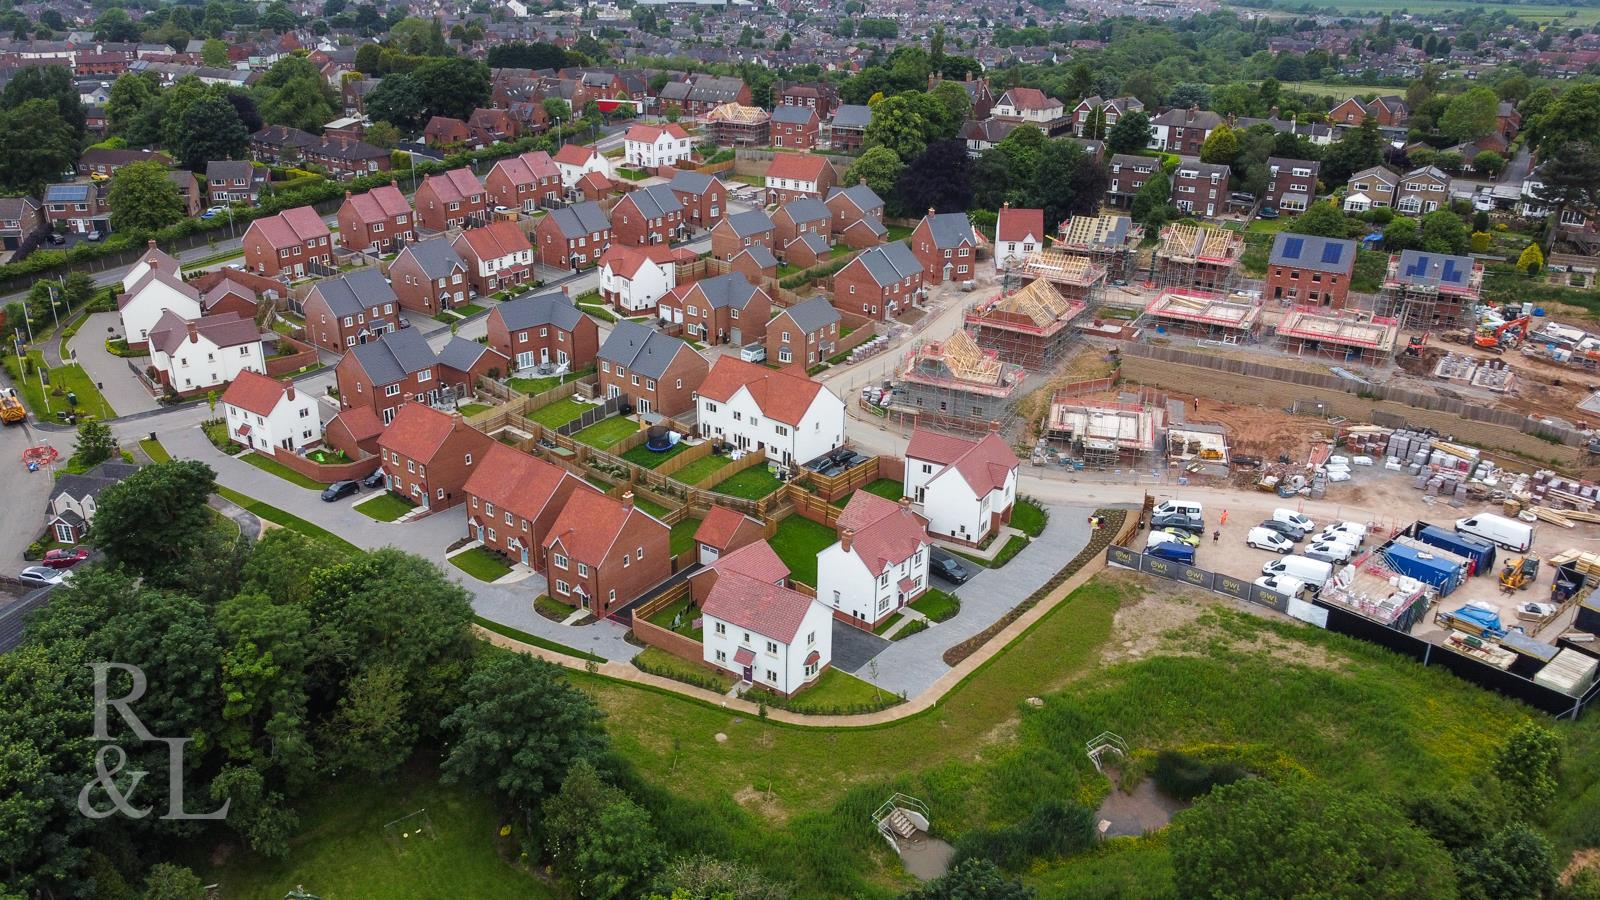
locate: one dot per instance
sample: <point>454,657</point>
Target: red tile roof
<point>649,133</point>
<point>418,431</point>
<point>766,609</point>
<point>779,395</point>
<point>361,421</point>
<point>1019,225</point>
<point>574,154</point>
<point>588,525</point>
<point>380,204</point>
<point>291,227</point>
<point>516,481</point>
<point>797,166</point>
<point>595,181</point>
<point>529,168</point>
<point>1029,98</point>
<point>984,463</point>
<point>254,392</point>
<point>492,241</point>
<point>454,186</point>
<point>625,260</point>
<point>719,526</point>
<point>886,532</point>
<point>757,560</point>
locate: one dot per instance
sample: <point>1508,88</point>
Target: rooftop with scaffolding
<point>1107,432</point>
<point>1031,326</point>
<point>1109,240</point>
<point>957,383</point>
<point>1315,330</point>
<point>1203,313</point>
<point>1198,256</point>
<point>1426,289</point>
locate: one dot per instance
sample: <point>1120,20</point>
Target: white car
<point>1329,551</point>
<point>1287,585</point>
<point>44,577</point>
<point>1334,536</point>
<point>1267,539</point>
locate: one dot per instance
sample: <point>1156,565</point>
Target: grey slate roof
<point>580,218</point>
<point>435,257</point>
<point>814,314</point>
<point>230,170</point>
<point>394,356</point>
<point>817,243</point>
<point>806,209</point>
<point>1308,251</point>
<point>759,252</point>
<point>859,195</point>
<point>732,289</point>
<point>656,201</point>
<point>1433,269</point>
<point>641,348</point>
<point>889,263</point>
<point>696,183</point>
<point>793,115</point>
<point>535,310</point>
<point>751,222</point>
<point>461,354</point>
<point>92,482</point>
<point>852,116</point>
<point>950,230</point>
<point>356,292</point>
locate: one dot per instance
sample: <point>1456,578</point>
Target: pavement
<point>26,493</point>
<point>111,374</point>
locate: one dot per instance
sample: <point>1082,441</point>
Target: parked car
<point>1285,529</point>
<point>64,558</point>
<point>1178,520</point>
<point>1267,539</point>
<point>947,566</point>
<point>340,489</point>
<point>40,576</point>
<point>376,480</point>
<point>1352,529</point>
<point>213,212</point>
<point>1162,546</point>
<point>1178,534</point>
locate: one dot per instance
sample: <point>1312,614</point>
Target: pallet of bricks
<point>1439,468</point>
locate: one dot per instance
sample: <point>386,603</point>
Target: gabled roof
<point>1309,251</point>
<point>814,314</point>
<point>805,209</point>
<point>517,481</point>
<point>361,421</point>
<point>224,289</point>
<point>794,115</point>
<point>493,241</point>
<point>1027,98</point>
<point>850,115</point>
<point>380,204</point>
<point>1433,172</point>
<point>535,310</point>
<point>580,219</point>
<point>231,170</point>
<point>860,196</point>
<point>813,240</point>
<point>625,260</point>
<point>435,257</point>
<point>760,254</point>
<point>889,263</point>
<point>393,356</point>
<point>529,168</point>
<point>758,606</point>
<point>454,186</point>
<point>649,134</point>
<point>291,227</point>
<point>1384,172</point>
<point>228,330</point>
<point>590,524</point>
<point>654,202</point>
<point>1434,269</point>
<point>779,395</point>
<point>754,560</point>
<point>641,349</point>
<point>720,525</point>
<point>418,431</point>
<point>797,166</point>
<point>984,464</point>
<point>695,183</point>
<point>732,290</point>
<point>92,482</point>
<point>1285,164</point>
<point>462,354</point>
<point>950,230</point>
<point>574,155</point>
<point>749,223</point>
<point>254,392</point>
<point>1019,224</point>
<point>159,273</point>
<point>885,532</point>
<point>355,292</point>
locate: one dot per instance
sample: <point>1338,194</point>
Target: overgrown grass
<point>268,464</point>
<point>700,469</point>
<point>276,516</point>
<point>481,564</point>
<point>797,542</point>
<point>606,432</point>
<point>385,507</point>
<point>751,484</point>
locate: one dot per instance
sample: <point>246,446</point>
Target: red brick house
<point>351,309</point>
<point>374,221</point>
<point>797,217</point>
<point>803,335</point>
<point>946,246</point>
<point>754,263</point>
<point>656,372</point>
<point>295,242</point>
<point>547,329</point>
<point>354,431</point>
<point>795,127</point>
<point>573,237</point>
<point>881,282</point>
<point>523,182</point>
<point>492,126</point>
<point>794,175</point>
<point>238,182</point>
<point>452,199</point>
<point>649,215</point>
<point>429,276</point>
<point>512,501</point>
<point>727,309</point>
<point>740,231</point>
<point>428,454</point>
<point>346,159</point>
<point>444,132</point>
<point>497,255</point>
<point>1308,270</point>
<point>704,198</point>
<point>387,373</point>
<point>723,531</point>
<point>1390,111</point>
<point>857,216</point>
<point>604,553</point>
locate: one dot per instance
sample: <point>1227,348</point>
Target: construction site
<point>1204,314</point>
<point>1197,257</point>
<point>1088,429</point>
<point>1349,336</point>
<point>1110,241</point>
<point>954,383</point>
<point>1031,326</point>
<point>1430,290</point>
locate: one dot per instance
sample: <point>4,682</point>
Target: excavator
<point>1505,336</point>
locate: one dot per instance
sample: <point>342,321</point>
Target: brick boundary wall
<point>326,474</point>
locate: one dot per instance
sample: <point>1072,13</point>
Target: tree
<point>1531,261</point>
<point>1479,241</point>
<point>245,107</point>
<point>940,178</point>
<point>557,109</point>
<point>1322,218</point>
<point>1443,232</point>
<point>520,727</point>
<point>294,93</point>
<point>879,167</point>
<point>1131,134</point>
<point>95,444</point>
<point>1517,863</point>
<point>1572,115</point>
<point>36,146</point>
<point>1401,234</point>
<point>1569,176</point>
<point>382,134</point>
<point>957,102</point>
<point>673,112</point>
<point>116,25</point>
<point>1360,148</point>
<point>129,95</point>
<point>1257,839</point>
<point>166,881</point>
<point>970,880</point>
<point>398,100</point>
<point>1152,204</point>
<point>214,53</point>
<point>1471,114</point>
<point>1526,765</point>
<point>373,732</point>
<point>1220,147</point>
<point>149,520</point>
<point>142,197</point>
<point>601,841</point>
<point>898,123</point>
<point>52,83</point>
<point>521,55</point>
<point>454,86</point>
<point>1067,182</point>
<point>211,131</point>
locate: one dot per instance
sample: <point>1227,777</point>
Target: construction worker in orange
<point>1224,518</point>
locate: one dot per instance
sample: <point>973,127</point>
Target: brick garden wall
<point>327,474</point>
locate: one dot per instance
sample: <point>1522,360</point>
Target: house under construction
<point>1431,290</point>
<point>1198,257</point>
<point>1349,336</point>
<point>732,125</point>
<point>1032,326</point>
<point>1204,314</point>
<point>1104,433</point>
<point>1111,241</point>
<point>955,384</point>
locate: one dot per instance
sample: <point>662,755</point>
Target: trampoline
<point>661,439</point>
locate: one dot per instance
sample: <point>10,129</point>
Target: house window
<point>772,676</point>
<point>562,588</point>
<point>583,570</point>
<point>559,560</point>
<point>722,656</point>
<point>772,647</point>
<point>468,459</point>
<point>722,628</point>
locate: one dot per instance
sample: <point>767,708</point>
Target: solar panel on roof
<point>1419,266</point>
<point>1331,252</point>
<point>1451,273</point>
<point>1291,247</point>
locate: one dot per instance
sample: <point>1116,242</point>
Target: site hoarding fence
<point>1194,576</point>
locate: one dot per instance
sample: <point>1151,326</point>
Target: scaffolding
<point>1198,257</point>
<point>1431,290</point>
<point>1108,433</point>
<point>1349,336</point>
<point>1204,314</point>
<point>733,125</point>
<point>956,384</point>
<point>1109,240</point>
<point>1032,326</point>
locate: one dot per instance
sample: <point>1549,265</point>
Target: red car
<point>65,559</point>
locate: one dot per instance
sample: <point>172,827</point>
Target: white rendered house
<point>652,146</point>
<point>194,356</point>
<point>790,418</point>
<point>967,488</point>
<point>265,413</point>
<point>636,278</point>
<point>879,564</point>
<point>576,161</point>
<point>158,290</point>
<point>759,629</point>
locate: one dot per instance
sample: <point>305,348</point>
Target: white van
<point>1181,507</point>
<point>1508,533</point>
<point>1355,530</point>
<point>1293,519</point>
<point>1330,536</point>
<point>1314,573</point>
<point>1329,551</point>
<point>1287,585</point>
<point>1267,539</point>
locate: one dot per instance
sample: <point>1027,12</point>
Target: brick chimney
<point>627,499</point>
<point>566,290</point>
<point>846,538</point>
<point>288,389</point>
<point>194,333</point>
<point>930,211</point>
<point>152,244</point>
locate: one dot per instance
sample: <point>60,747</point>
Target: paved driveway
<point>853,647</point>
<point>122,389</point>
<point>26,493</point>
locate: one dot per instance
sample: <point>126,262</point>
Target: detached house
<point>741,231</point>
<point>795,127</point>
<point>654,146</point>
<point>157,291</point>
<point>878,565</point>
<point>497,256</point>
<point>525,182</point>
<point>195,355</point>
<point>806,215</point>
<point>378,221</point>
<point>967,488</point>
<point>880,282</point>
<point>429,276</point>
<point>1029,105</point>
<point>351,309</point>
<point>388,372</point>
<point>1200,189</point>
<point>803,335</point>
<point>1390,112</point>
<point>1291,183</point>
<point>657,373</point>
<point>649,215</point>
<point>513,499</point>
<point>790,418</point>
<point>445,132</point>
<point>946,246</point>
<point>77,207</point>
<point>235,182</point>
<point>727,309</point>
<point>452,199</point>
<point>604,553</point>
<point>1128,175</point>
<point>704,198</point>
<point>848,128</point>
<point>757,627</point>
<point>857,216</point>
<point>267,414</point>
<point>72,500</point>
<point>294,243</point>
<point>20,220</point>
<point>794,175</point>
<point>573,237</point>
<point>428,455</point>
<point>634,279</point>
<point>575,161</point>
<point>543,330</point>
<point>1017,233</point>
<point>1310,270</point>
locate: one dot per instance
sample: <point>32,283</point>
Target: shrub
<point>1054,828</point>
<point>1185,777</point>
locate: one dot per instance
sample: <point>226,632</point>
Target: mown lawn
<point>682,537</point>
<point>606,432</point>
<point>386,507</point>
<point>531,386</point>
<point>887,488</point>
<point>268,513</point>
<point>700,469</point>
<point>644,456</point>
<point>835,689</point>
<point>751,484</point>
<point>664,617</point>
<point>70,378</point>
<point>797,542</point>
<point>152,448</point>
<point>559,413</point>
<point>480,564</point>
<point>937,605</point>
<point>472,409</point>
<point>1028,518</point>
<point>657,659</point>
<point>268,464</point>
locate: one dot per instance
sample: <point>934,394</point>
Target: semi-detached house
<point>351,309</point>
<point>294,243</point>
<point>452,199</point>
<point>790,418</point>
<point>604,553</point>
<point>657,373</point>
<point>792,175</point>
<point>497,256</point>
<point>524,182</point>
<point>653,146</point>
<point>512,501</point>
<point>573,237</point>
<point>376,221</point>
<point>429,276</point>
<point>543,330</point>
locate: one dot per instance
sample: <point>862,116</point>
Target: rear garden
<point>797,542</point>
<point>559,413</point>
<point>751,484</point>
<point>606,432</point>
<point>531,386</point>
<point>887,488</point>
<point>649,459</point>
<point>701,469</point>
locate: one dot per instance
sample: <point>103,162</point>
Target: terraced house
<point>238,182</point>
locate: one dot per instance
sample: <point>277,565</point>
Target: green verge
<point>290,521</point>
<point>268,464</point>
<point>535,640</point>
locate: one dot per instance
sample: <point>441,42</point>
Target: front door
<point>524,555</point>
<point>480,533</point>
<point>748,673</point>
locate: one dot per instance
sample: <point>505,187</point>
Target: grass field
<point>657,659</point>
<point>1533,12</point>
<point>1341,91</point>
<point>797,542</point>
<point>480,564</point>
<point>751,484</point>
<point>700,469</point>
<point>386,507</point>
<point>559,413</point>
<point>268,464</point>
<point>606,432</point>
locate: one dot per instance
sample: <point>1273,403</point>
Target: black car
<point>1285,529</point>
<point>947,566</point>
<point>340,489</point>
<point>1180,521</point>
<point>375,480</point>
